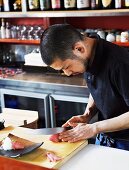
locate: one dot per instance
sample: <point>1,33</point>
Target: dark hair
<point>57,41</point>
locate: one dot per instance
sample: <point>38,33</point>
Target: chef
<point>106,70</point>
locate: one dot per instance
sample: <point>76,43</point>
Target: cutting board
<point>64,150</point>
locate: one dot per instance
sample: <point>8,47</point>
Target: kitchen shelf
<point>37,42</point>
<point>65,13</point>
<point>124,44</point>
<point>16,41</point>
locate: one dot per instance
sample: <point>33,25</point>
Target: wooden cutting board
<point>38,157</point>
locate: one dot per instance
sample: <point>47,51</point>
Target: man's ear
<point>79,49</point>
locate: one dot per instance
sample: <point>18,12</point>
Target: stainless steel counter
<point>40,82</point>
<point>47,87</point>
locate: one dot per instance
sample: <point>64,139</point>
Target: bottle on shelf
<point>70,4</point>
<point>17,5</point>
<point>118,4</point>
<point>93,4</point>
<point>126,3</point>
<point>57,4</point>
<point>107,4</point>
<point>1,6</point>
<point>14,32</point>
<point>33,5</point>
<point>118,36</point>
<point>122,3</point>
<point>45,5</point>
<point>6,5</point>
<point>96,4</point>
<point>83,4</point>
<point>2,28</point>
<point>7,30</point>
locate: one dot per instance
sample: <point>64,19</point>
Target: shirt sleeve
<point>121,81</point>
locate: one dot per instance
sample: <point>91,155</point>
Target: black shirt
<point>108,81</point>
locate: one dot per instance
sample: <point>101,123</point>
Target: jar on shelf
<point>101,33</point>
<point>124,36</point>
<point>110,36</point>
<point>118,36</point>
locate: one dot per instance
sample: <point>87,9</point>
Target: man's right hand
<point>73,122</point>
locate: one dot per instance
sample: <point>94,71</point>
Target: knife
<point>48,131</point>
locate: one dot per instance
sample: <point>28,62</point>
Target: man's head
<point>62,48</point>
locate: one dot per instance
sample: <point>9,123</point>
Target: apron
<point>105,140</point>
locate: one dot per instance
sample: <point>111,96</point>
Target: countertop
<point>50,78</point>
<point>94,157</point>
<point>38,80</point>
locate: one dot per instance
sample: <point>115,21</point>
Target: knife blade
<point>48,131</point>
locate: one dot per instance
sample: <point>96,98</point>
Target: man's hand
<point>81,132</point>
<point>73,122</point>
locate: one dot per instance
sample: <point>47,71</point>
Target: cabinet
<point>44,118</point>
<point>63,114</point>
<point>64,90</point>
<point>72,100</point>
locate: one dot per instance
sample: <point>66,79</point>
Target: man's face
<point>70,66</point>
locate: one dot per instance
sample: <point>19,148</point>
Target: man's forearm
<point>115,124</point>
<point>91,108</point>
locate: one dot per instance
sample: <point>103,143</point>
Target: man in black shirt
<point>106,70</point>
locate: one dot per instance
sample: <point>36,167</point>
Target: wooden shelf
<point>65,13</point>
<point>37,42</point>
<point>16,41</point>
<point>124,44</point>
